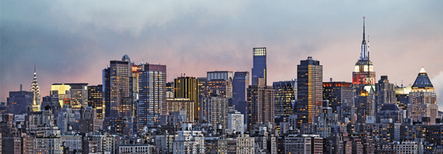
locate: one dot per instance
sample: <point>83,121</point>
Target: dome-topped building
<point>126,58</point>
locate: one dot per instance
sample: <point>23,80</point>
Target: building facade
<point>259,65</point>
<point>239,86</point>
<point>187,87</point>
<point>422,99</point>
<point>182,104</point>
<point>260,109</point>
<point>309,90</point>
<point>152,95</point>
<point>285,96</point>
<point>95,99</point>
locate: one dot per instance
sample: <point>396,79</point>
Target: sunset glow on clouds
<point>72,41</point>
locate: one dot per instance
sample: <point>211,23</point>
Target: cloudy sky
<point>72,41</point>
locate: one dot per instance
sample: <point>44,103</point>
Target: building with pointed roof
<point>422,99</point>
<point>36,91</point>
<point>363,83</point>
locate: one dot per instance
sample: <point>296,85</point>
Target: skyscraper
<point>95,99</point>
<point>20,102</point>
<point>285,95</point>
<point>422,99</point>
<point>36,90</point>
<point>63,93</point>
<point>187,87</point>
<point>259,66</point>
<point>363,82</point>
<point>310,90</point>
<point>385,93</point>
<point>118,96</point>
<point>220,81</point>
<point>260,109</point>
<point>364,71</point>
<point>116,80</point>
<point>239,86</point>
<point>340,99</point>
<point>152,95</point>
<point>79,95</point>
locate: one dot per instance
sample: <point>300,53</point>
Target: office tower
<point>422,99</point>
<point>260,109</point>
<point>152,95</point>
<point>385,93</point>
<point>36,90</point>
<point>285,96</point>
<point>63,93</point>
<point>220,81</point>
<point>79,95</point>
<point>239,86</point>
<point>363,82</point>
<point>20,102</point>
<point>259,66</point>
<point>187,87</point>
<point>182,104</point>
<point>95,100</point>
<point>340,98</point>
<point>116,80</point>
<point>310,90</point>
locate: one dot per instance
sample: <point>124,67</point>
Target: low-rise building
<point>137,149</point>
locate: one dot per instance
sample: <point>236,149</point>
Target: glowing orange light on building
<point>134,68</point>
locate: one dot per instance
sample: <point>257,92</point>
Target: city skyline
<point>73,46</point>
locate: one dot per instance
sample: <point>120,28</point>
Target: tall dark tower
<point>309,90</point>
<point>259,67</point>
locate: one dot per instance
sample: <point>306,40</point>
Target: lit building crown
<point>36,90</point>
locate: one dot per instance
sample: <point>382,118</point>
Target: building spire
<point>364,28</point>
<point>36,90</point>
<point>364,48</point>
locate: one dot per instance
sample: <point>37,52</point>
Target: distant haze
<point>72,41</point>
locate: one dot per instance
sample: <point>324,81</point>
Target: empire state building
<point>363,73</point>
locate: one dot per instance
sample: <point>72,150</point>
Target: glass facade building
<point>152,95</point>
<point>95,99</point>
<point>219,81</point>
<point>309,90</point>
<point>285,96</point>
<point>187,87</point>
<point>259,65</point>
<point>239,86</point>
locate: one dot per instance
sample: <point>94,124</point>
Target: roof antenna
<point>368,47</point>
